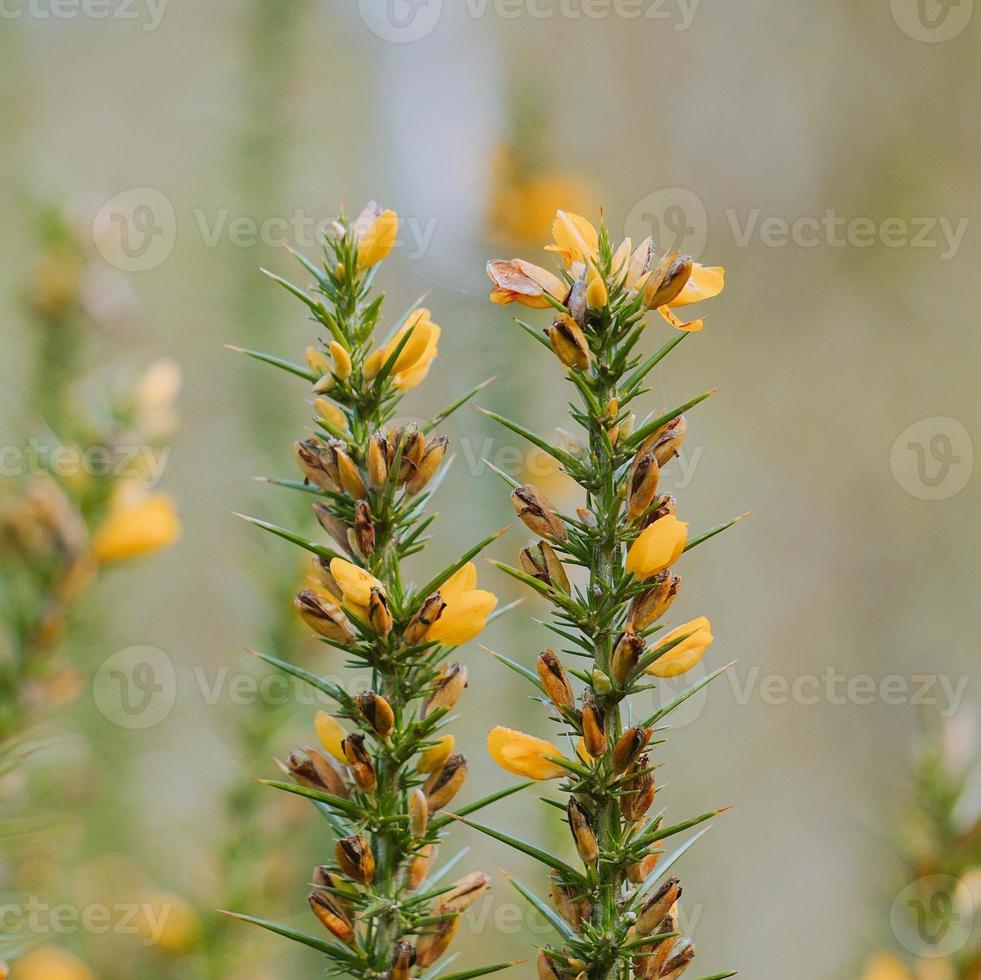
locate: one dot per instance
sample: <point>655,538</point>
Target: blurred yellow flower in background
<point>50,963</point>
<point>524,755</point>
<point>169,923</point>
<point>885,966</point>
<point>136,529</point>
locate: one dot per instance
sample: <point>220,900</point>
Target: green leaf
<point>666,709</point>
<point>315,305</point>
<point>433,584</point>
<point>712,532</point>
<point>566,459</point>
<point>547,912</point>
<point>445,413</point>
<point>679,828</point>
<point>644,369</point>
<point>668,863</point>
<point>314,680</point>
<point>528,675</point>
<point>290,536</point>
<point>345,806</point>
<point>463,811</point>
<point>636,438</point>
<point>297,369</point>
<point>480,971</point>
<point>549,860</point>
<point>331,949</point>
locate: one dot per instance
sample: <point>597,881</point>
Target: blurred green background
<point>845,350</point>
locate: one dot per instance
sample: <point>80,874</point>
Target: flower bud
<point>355,859</point>
<point>364,529</point>
<point>378,613</point>
<point>350,475</point>
<point>626,654</point>
<point>642,485</point>
<point>403,960</point>
<point>582,832</point>
<point>639,870</point>
<point>569,343</point>
<point>638,790</point>
<point>342,360</point>
<point>324,617</point>
<point>444,784</point>
<point>657,907</point>
<point>667,280</point>
<point>360,762</point>
<point>317,360</point>
<point>314,464</point>
<point>433,943</point>
<point>541,562</point>
<point>678,963</point>
<point>649,965</point>
<point>463,894</point>
<point>377,461</point>
<point>593,727</point>
<point>436,755</point>
<point>600,681</point>
<point>315,771</point>
<point>666,441</point>
<point>555,679</point>
<point>418,813</point>
<point>574,911</point>
<point>429,464</point>
<point>647,608</point>
<point>449,686</point>
<point>537,512</point>
<point>335,527</point>
<point>596,295</point>
<point>377,711</point>
<point>330,413</point>
<point>327,879</point>
<point>428,613</point>
<point>419,866</point>
<point>330,916</point>
<point>630,744</point>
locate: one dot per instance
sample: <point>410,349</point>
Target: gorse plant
<point>616,915</point>
<point>385,768</point>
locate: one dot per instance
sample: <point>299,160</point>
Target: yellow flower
<point>885,966</point>
<point>524,755</point>
<point>681,658</point>
<point>657,547</point>
<point>355,583</point>
<point>434,757</point>
<point>329,412</point>
<point>331,733</point>
<point>575,239</point>
<point>50,963</point>
<point>169,923</point>
<point>467,609</point>
<point>596,295</point>
<point>377,231</point>
<point>415,358</point>
<point>138,529</point>
<point>523,282</point>
<point>704,283</point>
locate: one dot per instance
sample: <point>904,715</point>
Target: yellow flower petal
<point>463,619</point>
<point>576,240</point>
<point>137,529</point>
<point>689,652</point>
<point>434,757</point>
<point>355,583</point>
<point>331,733</point>
<point>657,547</point>
<point>375,243</point>
<point>50,963</point>
<point>524,755</point>
<point>329,412</point>
<point>705,282</point>
<point>462,580</point>
<point>692,326</point>
<point>523,282</point>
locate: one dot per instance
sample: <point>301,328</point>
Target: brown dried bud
<point>594,727</point>
<point>445,783</point>
<point>354,858</point>
<point>546,968</point>
<point>326,910</point>
<point>360,762</point>
<point>639,870</point>
<point>626,654</point>
<point>639,790</point>
<point>335,527</point>
<point>649,967</point>
<point>665,442</point>
<point>419,866</point>
<point>377,461</point>
<point>323,574</point>
<point>574,911</point>
<point>431,460</point>
<point>582,832</point>
<point>629,745</point>
<point>463,894</point>
<point>418,813</point>
<point>412,444</point>
<point>403,960</point>
<point>315,771</point>
<point>576,302</point>
<point>541,562</point>
<point>569,342</point>
<point>642,485</point>
<point>350,475</point>
<point>678,963</point>
<point>448,688</point>
<point>377,711</point>
<point>649,607</point>
<point>657,907</point>
<point>587,517</point>
<point>535,510</point>
<point>555,679</point>
<point>432,944</point>
<point>667,279</point>
<point>324,617</point>
<point>364,528</point>
<point>428,613</point>
<point>315,464</point>
<point>378,612</point>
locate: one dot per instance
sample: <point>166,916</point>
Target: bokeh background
<point>845,350</point>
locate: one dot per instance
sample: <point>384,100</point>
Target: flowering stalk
<point>385,768</point>
<point>616,913</point>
